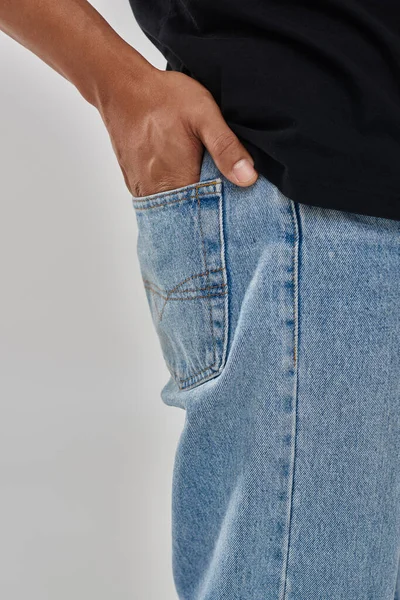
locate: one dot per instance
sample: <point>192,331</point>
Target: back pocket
<point>181,253</point>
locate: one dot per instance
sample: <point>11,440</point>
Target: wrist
<point>107,69</point>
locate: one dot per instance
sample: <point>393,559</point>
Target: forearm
<point>76,41</point>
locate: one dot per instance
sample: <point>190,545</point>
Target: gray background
<point>86,444</point>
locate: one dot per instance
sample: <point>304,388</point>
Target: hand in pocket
<point>158,133</point>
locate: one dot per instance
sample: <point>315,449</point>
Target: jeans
<point>280,325</point>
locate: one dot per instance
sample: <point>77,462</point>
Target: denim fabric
<point>280,324</point>
<point>182,257</point>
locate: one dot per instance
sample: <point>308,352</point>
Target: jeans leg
<point>345,523</point>
<point>286,479</point>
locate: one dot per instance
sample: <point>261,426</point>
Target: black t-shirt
<point>310,87</point>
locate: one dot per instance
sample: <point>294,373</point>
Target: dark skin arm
<point>158,121</point>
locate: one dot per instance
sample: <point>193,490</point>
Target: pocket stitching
<point>191,187</point>
<point>167,299</point>
<point>201,289</point>
<point>183,381</point>
<point>187,194</point>
<point>211,287</point>
<point>191,378</point>
<point>183,280</point>
<point>206,270</point>
<point>149,285</point>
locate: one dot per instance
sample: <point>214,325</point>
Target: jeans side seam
<point>295,215</point>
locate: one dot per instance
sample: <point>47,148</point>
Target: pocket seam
<point>209,304</point>
<point>198,297</point>
<point>193,379</point>
<point>184,380</point>
<point>216,311</point>
<point>150,285</point>
<point>186,193</point>
<point>183,281</point>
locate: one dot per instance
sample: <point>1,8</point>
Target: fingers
<point>229,154</point>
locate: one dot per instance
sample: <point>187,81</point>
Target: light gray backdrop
<point>86,444</point>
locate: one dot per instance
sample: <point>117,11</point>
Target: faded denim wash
<point>280,325</point>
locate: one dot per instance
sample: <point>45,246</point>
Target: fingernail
<point>243,170</point>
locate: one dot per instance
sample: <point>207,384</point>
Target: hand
<point>159,127</point>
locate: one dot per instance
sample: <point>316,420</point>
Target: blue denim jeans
<point>280,325</point>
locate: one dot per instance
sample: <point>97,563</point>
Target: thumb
<point>229,154</point>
